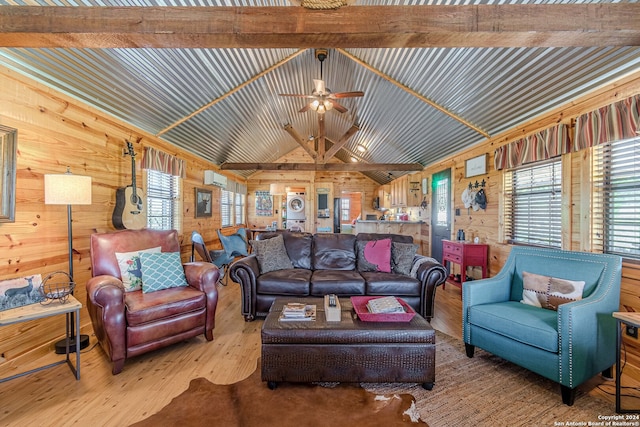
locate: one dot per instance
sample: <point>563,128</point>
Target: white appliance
<point>295,224</point>
<point>295,207</point>
<point>212,178</point>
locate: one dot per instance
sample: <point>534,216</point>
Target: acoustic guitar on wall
<point>129,211</point>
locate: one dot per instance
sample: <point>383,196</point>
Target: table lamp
<point>68,189</point>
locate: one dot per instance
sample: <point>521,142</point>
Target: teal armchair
<point>568,346</point>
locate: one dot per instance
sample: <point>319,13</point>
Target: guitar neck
<point>133,173</point>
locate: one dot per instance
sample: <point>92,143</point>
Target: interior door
<point>440,212</point>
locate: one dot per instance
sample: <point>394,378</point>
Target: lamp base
<point>61,346</point>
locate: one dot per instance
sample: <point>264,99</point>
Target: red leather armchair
<point>128,324</point>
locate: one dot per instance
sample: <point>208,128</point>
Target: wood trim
<point>341,143</point>
<point>299,139</point>
<point>505,25</point>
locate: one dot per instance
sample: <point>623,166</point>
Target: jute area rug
<point>483,391</point>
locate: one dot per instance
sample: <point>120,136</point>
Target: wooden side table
<point>630,319</point>
<point>39,311</point>
<point>466,254</point>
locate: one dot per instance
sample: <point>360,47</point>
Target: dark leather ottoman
<point>346,351</point>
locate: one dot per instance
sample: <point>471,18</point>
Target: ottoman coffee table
<point>347,351</point>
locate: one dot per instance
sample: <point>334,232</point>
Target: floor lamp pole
<point>61,346</point>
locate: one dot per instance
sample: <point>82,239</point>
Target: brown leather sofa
<point>128,324</point>
<point>325,264</point>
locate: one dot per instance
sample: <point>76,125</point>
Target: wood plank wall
<point>55,131</point>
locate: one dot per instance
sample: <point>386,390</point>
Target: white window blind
<point>163,201</point>
<point>533,211</point>
<point>226,208</point>
<point>616,198</point>
<point>240,208</point>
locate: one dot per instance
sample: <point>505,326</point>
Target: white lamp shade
<point>67,189</point>
<point>277,189</point>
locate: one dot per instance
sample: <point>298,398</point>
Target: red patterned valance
<point>617,121</point>
<point>547,143</point>
<point>163,162</point>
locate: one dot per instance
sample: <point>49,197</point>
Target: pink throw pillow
<point>378,253</point>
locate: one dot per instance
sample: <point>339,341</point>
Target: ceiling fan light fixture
<point>327,105</point>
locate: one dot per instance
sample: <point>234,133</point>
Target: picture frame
<point>475,166</point>
<point>203,199</point>
<point>8,147</point>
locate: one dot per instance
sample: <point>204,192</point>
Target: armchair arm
<point>588,334</point>
<point>430,273</point>
<point>204,276</point>
<point>245,272</point>
<point>105,304</point>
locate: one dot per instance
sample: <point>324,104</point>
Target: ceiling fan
<point>322,99</point>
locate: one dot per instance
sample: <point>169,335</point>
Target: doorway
<point>350,210</point>
<point>440,212</point>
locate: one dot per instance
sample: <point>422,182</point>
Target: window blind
<point>226,208</point>
<point>163,201</point>
<point>616,198</point>
<point>533,211</point>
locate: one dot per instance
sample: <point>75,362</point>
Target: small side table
<point>466,254</point>
<point>630,319</point>
<point>39,311</point>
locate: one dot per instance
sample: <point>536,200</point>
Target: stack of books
<point>385,305</point>
<point>295,311</point>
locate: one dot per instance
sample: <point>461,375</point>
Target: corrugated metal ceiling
<point>161,90</point>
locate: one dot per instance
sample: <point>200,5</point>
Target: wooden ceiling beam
<point>497,25</point>
<point>341,143</point>
<point>329,167</point>
<point>301,141</point>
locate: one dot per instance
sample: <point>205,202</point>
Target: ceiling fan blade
<point>305,108</point>
<point>347,94</point>
<point>297,95</point>
<point>337,106</point>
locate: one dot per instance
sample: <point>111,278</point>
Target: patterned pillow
<point>129,263</point>
<point>271,254</point>
<point>402,255</point>
<point>374,255</point>
<point>162,271</point>
<point>549,292</point>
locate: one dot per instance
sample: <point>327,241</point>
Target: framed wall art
<point>475,166</point>
<point>8,143</point>
<point>203,203</point>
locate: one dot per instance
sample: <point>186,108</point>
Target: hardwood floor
<point>52,397</point>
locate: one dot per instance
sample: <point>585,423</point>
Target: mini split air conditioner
<point>212,178</point>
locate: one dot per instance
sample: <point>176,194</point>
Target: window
<point>163,201</point>
<point>616,199</point>
<point>226,208</point>
<point>344,209</point>
<point>240,208</point>
<point>533,211</point>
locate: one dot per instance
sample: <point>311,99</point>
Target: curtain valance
<point>620,120</point>
<point>163,162</point>
<point>542,145</point>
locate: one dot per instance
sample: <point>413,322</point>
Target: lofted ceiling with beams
<point>421,103</point>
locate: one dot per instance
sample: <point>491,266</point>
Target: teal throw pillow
<point>161,271</point>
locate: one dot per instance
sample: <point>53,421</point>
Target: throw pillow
<point>402,255</point>
<point>162,271</point>
<point>271,254</point>
<point>374,255</point>
<point>549,292</point>
<point>129,263</point>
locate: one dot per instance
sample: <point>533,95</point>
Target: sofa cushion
<point>549,292</point>
<point>143,308</point>
<point>162,271</point>
<point>390,284</point>
<point>339,282</point>
<point>298,246</point>
<point>402,255</point>
<point>524,323</point>
<point>271,254</point>
<point>334,252</point>
<point>374,255</point>
<point>293,281</point>
<point>130,269</point>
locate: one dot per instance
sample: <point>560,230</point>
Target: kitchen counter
<point>407,228</point>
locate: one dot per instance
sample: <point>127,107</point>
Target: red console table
<point>465,254</point>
